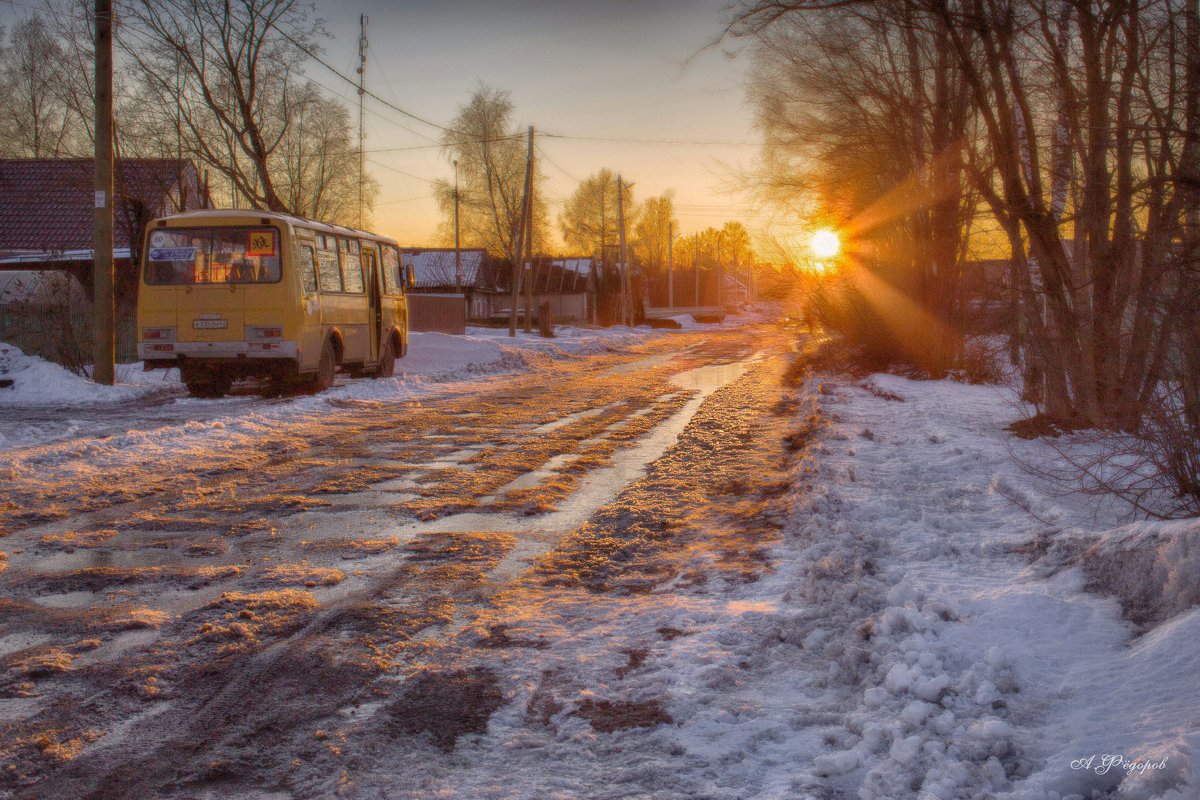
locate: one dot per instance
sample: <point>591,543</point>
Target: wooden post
<point>519,243</point>
<point>362,91</point>
<point>529,188</point>
<point>104,348</point>
<point>720,273</point>
<point>626,304</point>
<point>458,273</point>
<point>670,265</point>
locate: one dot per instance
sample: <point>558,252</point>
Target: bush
<point>883,330</point>
<point>978,362</point>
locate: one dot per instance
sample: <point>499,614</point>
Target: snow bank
<point>38,381</point>
<point>963,671</point>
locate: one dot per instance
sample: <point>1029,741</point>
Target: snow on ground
<point>905,647</point>
<point>36,380</point>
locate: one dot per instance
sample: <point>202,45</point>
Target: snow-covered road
<point>657,567</point>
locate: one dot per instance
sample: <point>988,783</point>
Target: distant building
<point>567,284</point>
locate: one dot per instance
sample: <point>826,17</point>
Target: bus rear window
<point>187,256</point>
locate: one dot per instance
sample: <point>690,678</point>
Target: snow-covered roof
<point>39,257</point>
<point>435,268</point>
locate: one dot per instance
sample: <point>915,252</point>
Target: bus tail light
<point>260,333</point>
<point>158,334</point>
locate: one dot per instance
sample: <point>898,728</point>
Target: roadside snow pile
<point>964,672</point>
<point>36,380</point>
<point>688,323</point>
<point>443,355</point>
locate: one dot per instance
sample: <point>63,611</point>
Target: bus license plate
<point>210,323</point>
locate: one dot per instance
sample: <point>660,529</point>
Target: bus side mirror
<point>410,276</point>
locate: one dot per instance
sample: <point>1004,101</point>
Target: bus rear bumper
<point>167,354</point>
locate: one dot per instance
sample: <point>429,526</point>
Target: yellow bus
<point>231,294</point>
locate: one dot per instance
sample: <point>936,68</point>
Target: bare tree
<point>651,235</point>
<point>35,118</point>
<point>863,112</point>
<point>588,221</point>
<point>491,157</point>
<point>227,69</point>
<point>317,163</point>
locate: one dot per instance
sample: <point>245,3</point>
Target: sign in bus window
<point>187,256</point>
<point>262,243</point>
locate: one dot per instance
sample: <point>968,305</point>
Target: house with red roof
<point>47,219</point>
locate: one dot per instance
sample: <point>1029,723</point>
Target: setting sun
<point>825,244</point>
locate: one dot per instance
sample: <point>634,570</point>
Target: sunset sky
<point>614,69</point>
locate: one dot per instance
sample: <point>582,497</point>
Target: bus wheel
<point>326,368</point>
<point>387,360</point>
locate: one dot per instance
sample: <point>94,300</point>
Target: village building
<point>444,300</point>
<point>47,219</point>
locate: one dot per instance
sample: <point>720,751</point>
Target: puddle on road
<point>569,418</point>
<point>537,535</point>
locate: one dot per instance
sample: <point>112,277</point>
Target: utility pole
<point>362,99</point>
<point>458,273</point>
<point>696,269</point>
<point>626,310</point>
<point>529,188</point>
<point>670,265</point>
<point>750,281</point>
<point>519,243</point>
<point>720,273</point>
<point>104,348</point>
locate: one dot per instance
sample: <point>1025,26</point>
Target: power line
<point>633,140</point>
<point>556,165</point>
<point>405,200</point>
<point>430,181</point>
<point>311,54</point>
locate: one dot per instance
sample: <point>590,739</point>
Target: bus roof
<point>233,214</point>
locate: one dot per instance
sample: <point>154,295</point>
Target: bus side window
<point>308,269</point>
<point>352,275</point>
<point>331,274</point>
<point>391,272</point>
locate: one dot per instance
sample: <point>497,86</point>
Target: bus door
<point>375,298</point>
<point>312,334</point>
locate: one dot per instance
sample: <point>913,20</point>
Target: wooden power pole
<point>626,304</point>
<point>104,347</point>
<point>458,273</point>
<point>529,189</point>
<point>518,249</point>
<point>362,97</point>
<point>670,265</point>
